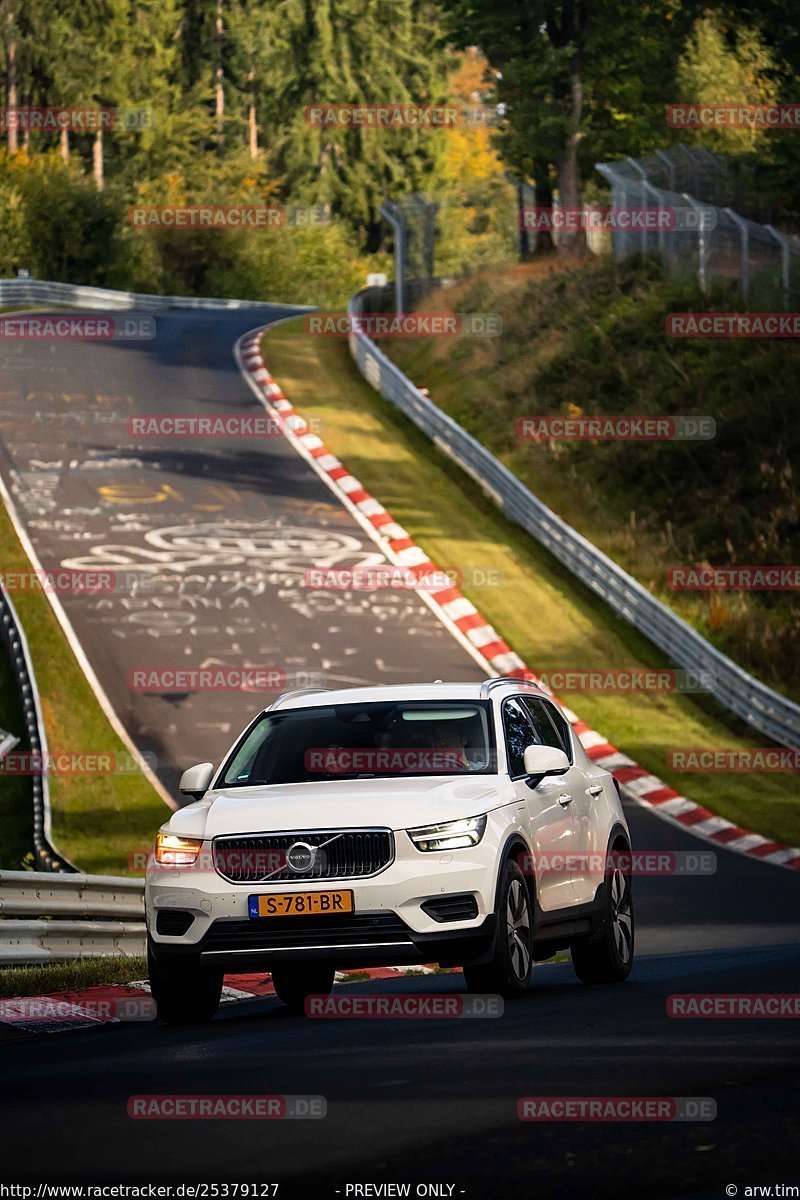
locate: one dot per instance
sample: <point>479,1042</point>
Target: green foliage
<point>55,223</point>
<point>70,976</point>
<point>477,226</point>
<point>61,226</point>
<point>351,52</point>
<point>15,247</point>
<point>714,71</point>
<point>601,73</point>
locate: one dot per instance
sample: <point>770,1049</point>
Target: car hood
<point>340,804</point>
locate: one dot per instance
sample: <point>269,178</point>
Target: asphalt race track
<point>208,540</point>
<point>427,1100</point>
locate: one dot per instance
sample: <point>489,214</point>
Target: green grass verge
<point>70,976</point>
<point>99,820</point>
<point>549,618</point>
<point>589,340</point>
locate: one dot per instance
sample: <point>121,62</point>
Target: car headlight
<point>451,835</point>
<point>177,851</point>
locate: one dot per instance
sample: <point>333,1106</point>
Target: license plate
<point>300,904</point>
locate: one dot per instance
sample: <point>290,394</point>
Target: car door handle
<point>564,799</point>
<point>594,790</point>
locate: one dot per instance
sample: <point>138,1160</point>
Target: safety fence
<point>699,233</point>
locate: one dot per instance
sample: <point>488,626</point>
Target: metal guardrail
<point>36,894</point>
<point>7,742</point>
<point>39,291</point>
<point>30,942</point>
<point>12,634</point>
<point>758,705</point>
<point>42,894</point>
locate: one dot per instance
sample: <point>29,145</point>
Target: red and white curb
<point>126,1003</point>
<point>484,643</point>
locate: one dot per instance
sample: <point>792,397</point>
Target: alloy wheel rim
<point>518,924</point>
<point>622,915</point>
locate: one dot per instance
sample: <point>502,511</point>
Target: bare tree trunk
<point>64,143</point>
<point>569,189</point>
<point>11,86</point>
<point>252,127</point>
<point>26,140</point>
<point>220,91</point>
<point>97,160</point>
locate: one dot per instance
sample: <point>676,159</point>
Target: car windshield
<point>368,740</point>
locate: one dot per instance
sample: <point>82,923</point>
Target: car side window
<point>562,727</point>
<point>546,733</point>
<point>519,734</point>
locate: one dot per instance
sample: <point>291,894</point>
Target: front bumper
<point>389,924</point>
<point>368,940</point>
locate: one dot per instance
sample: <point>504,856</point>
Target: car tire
<point>184,995</point>
<point>607,956</point>
<point>294,984</point>
<point>508,972</point>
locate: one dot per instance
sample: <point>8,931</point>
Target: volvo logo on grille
<point>300,857</point>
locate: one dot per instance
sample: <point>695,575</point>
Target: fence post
<point>701,242</point>
<point>643,176</point>
<point>783,242</point>
<point>741,224</point>
<point>397,220</point>
<point>658,194</point>
<point>665,158</point>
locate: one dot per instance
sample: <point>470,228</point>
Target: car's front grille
<point>336,854</point>
<point>273,933</point>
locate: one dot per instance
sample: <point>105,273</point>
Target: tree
<point>575,78</point>
<point>254,37</point>
<point>354,52</point>
<point>716,68</point>
<point>10,37</point>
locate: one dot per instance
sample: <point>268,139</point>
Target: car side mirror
<point>196,780</point>
<point>545,760</point>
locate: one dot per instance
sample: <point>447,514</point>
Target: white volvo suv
<point>462,824</point>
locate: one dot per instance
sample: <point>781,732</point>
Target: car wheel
<point>608,956</point>
<point>184,995</point>
<point>509,971</point>
<point>293,984</point>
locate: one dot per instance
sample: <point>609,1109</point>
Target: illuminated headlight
<point>452,835</point>
<point>177,851</point>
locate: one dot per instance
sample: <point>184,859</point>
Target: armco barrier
<point>39,291</point>
<point>30,942</point>
<point>7,742</point>
<point>763,709</point>
<point>92,897</point>
<point>12,635</point>
<point>42,894</point>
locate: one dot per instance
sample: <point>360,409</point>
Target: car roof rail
<point>498,680</point>
<point>308,691</point>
